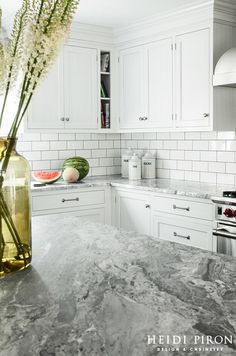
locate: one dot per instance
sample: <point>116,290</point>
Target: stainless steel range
<point>225,226</point>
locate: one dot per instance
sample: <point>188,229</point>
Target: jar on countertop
<point>148,166</point>
<point>135,167</point>
<point>126,156</point>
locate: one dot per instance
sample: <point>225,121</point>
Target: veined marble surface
<point>96,291</point>
<point>165,186</point>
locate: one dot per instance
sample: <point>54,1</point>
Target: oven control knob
<point>229,213</point>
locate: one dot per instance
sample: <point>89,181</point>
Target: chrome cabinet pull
<point>180,208</point>
<point>206,114</point>
<point>65,200</point>
<point>182,236</point>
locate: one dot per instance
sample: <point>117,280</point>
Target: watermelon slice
<point>46,177</point>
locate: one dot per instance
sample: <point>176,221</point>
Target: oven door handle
<point>221,232</point>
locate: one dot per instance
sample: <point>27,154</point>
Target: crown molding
<point>95,34</point>
<point>225,11</point>
<point>198,12</point>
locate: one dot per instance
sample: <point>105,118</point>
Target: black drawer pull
<point>65,200</point>
<point>180,208</point>
<point>182,236</point>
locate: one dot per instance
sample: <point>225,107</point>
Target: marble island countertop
<point>93,290</point>
<point>164,186</point>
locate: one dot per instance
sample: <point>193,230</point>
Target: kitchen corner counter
<point>93,290</point>
<point>163,186</point>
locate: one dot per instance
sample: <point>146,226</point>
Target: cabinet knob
<point>206,114</point>
<point>62,119</point>
<point>145,118</point>
<point>141,119</point>
<point>67,119</point>
<point>147,206</point>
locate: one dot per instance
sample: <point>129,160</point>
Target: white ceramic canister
<point>135,167</point>
<point>125,163</point>
<point>148,166</point>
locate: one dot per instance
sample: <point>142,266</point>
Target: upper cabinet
<point>80,88</point>
<point>132,110</point>
<point>193,79</point>
<point>146,80</point>
<point>46,108</point>
<point>149,97</point>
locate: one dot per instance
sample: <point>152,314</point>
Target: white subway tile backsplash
<point>185,145</point>
<point>206,177</point>
<point>226,135</point>
<point>185,165</point>
<point>90,144</point>
<point>49,137</point>
<point>231,146</point>
<point>40,146</point>
<point>46,155</point>
<point>192,135</point>
<point>200,145</point>
<point>66,136</point>
<point>225,178</point>
<point>231,168</point>
<point>177,155</point>
<point>66,154</point>
<point>217,145</point>
<point>57,145</point>
<point>76,145</point>
<point>225,156</point>
<point>99,153</point>
<point>170,145</point>
<point>208,156</point>
<point>217,167</point>
<point>41,165</point>
<point>194,156</point>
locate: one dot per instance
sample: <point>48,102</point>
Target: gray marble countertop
<point>93,290</point>
<point>164,186</point>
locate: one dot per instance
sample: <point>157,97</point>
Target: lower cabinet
<point>187,231</point>
<point>131,211</point>
<point>185,221</point>
<point>88,204</point>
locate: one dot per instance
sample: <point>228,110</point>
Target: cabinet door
<point>132,212</point>
<point>81,88</point>
<point>182,230</point>
<point>131,88</point>
<point>159,84</point>
<point>46,108</point>
<point>193,79</point>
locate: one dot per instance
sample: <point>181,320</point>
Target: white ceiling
<point>116,13</point>
<point>109,13</point>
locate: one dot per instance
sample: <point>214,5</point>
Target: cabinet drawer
<point>194,235</point>
<point>67,200</point>
<point>183,207</point>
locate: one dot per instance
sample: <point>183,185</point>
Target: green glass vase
<point>15,213</point>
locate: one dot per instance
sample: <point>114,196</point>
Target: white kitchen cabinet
<point>87,203</point>
<point>46,108</point>
<point>80,88</point>
<point>193,79</point>
<point>68,98</point>
<point>190,232</point>
<point>132,109</point>
<point>132,211</point>
<point>158,94</point>
<point>146,86</point>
